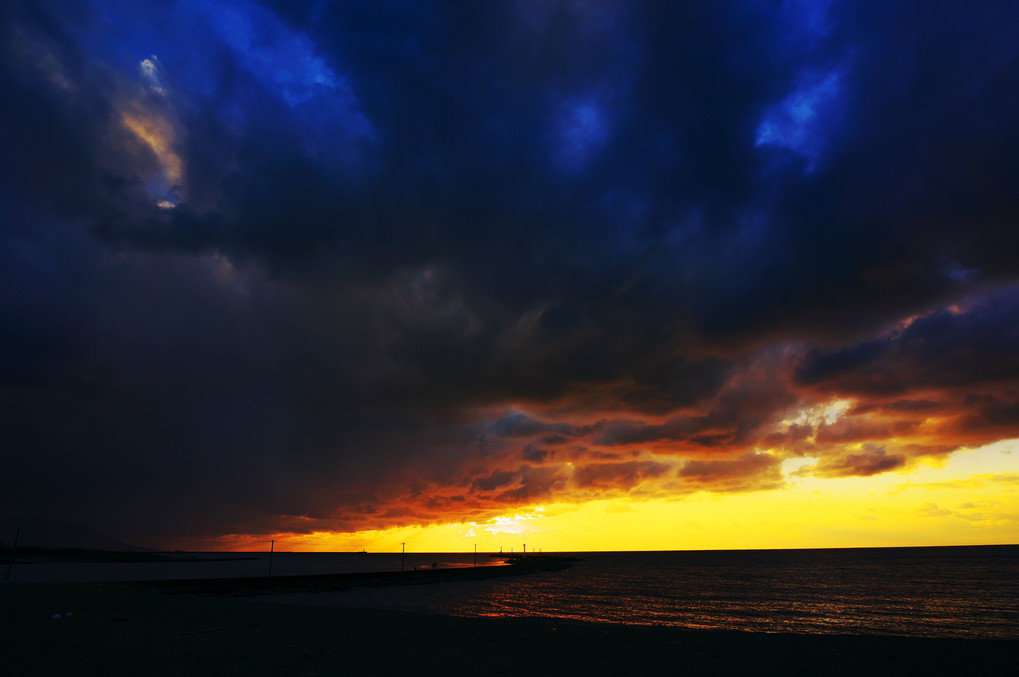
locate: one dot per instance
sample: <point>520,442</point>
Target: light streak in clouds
<point>897,328</point>
<point>150,73</point>
<point>149,115</point>
<point>158,134</point>
<point>824,412</point>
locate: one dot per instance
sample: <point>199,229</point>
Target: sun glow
<point>825,412</point>
<point>517,524</point>
<point>972,498</point>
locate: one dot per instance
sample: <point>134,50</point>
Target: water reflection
<point>939,592</point>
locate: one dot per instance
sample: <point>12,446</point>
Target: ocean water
<point>922,592</point>
<point>196,565</point>
<point>933,592</point>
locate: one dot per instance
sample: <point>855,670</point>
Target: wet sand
<point>131,629</point>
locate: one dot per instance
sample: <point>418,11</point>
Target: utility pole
<point>475,554</point>
<point>272,546</point>
<point>403,554</point>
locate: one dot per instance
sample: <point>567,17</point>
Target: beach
<point>135,629</point>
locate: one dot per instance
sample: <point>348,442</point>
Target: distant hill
<point>43,533</point>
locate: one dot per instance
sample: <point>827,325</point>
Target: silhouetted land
<point>140,629</point>
<point>38,554</point>
<point>330,582</point>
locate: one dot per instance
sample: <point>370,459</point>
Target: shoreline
<point>133,629</point>
<point>312,583</point>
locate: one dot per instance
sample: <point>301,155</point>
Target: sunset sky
<point>582,275</point>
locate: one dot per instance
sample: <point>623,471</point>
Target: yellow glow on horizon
<point>971,498</point>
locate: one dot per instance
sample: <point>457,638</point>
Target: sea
<point>920,592</point>
<point>964,592</point>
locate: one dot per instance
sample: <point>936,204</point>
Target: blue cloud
<point>580,132</point>
<point>799,122</point>
<point>285,62</point>
<point>244,60</point>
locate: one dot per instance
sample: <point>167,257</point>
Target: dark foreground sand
<point>125,629</point>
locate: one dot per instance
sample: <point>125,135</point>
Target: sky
<point>574,274</point>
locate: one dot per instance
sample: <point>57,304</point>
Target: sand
<point>131,629</point>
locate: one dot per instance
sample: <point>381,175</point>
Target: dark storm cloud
<point>870,460</point>
<point>972,344</point>
<point>521,425</point>
<point>732,419</point>
<point>901,405</point>
<point>494,481</point>
<point>264,263</point>
<point>748,472</point>
<point>621,476</point>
